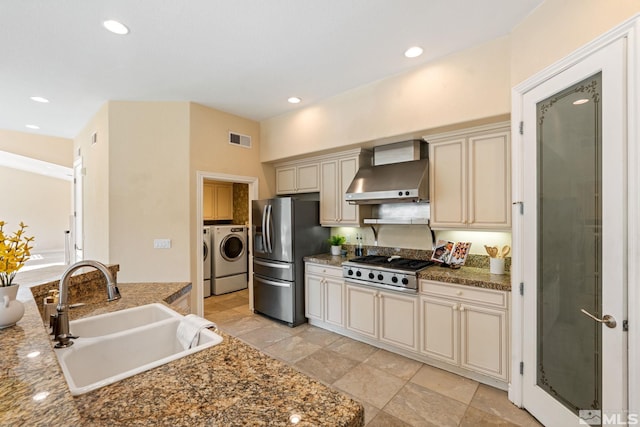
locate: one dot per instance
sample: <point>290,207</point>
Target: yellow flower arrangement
<point>14,252</point>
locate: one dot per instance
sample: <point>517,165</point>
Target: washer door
<point>232,247</point>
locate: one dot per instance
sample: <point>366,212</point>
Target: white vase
<point>336,250</point>
<point>11,310</point>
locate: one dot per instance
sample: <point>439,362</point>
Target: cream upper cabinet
<point>335,176</point>
<point>470,179</point>
<point>297,178</point>
<point>217,200</point>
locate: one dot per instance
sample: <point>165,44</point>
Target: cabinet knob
<point>455,307</point>
<point>461,307</point>
<point>458,293</point>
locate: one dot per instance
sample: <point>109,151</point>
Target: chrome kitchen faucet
<point>60,320</point>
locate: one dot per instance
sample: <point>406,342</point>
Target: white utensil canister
<point>496,265</point>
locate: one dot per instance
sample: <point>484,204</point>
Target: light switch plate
<point>162,244</point>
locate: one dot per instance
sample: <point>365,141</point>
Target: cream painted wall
<point>211,152</point>
<point>41,202</point>
<point>95,158</point>
<point>558,27</point>
<point>466,86</point>
<point>46,148</point>
<point>149,190</point>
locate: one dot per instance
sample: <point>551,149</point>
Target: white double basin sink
<point>118,345</point>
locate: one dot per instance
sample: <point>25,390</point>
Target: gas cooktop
<point>394,262</point>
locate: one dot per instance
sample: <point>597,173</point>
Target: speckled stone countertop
<point>226,385</point>
<point>469,276</point>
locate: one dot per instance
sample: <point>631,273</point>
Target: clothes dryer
<point>229,243</point>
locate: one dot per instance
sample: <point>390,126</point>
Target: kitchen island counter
<point>229,384</point>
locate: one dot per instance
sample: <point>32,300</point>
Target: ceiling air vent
<point>239,139</point>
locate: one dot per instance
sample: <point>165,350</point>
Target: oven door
<point>399,288</point>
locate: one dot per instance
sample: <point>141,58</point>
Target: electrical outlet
<point>162,244</point>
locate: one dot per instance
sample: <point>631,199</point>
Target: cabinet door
<point>439,328</point>
<point>399,320</point>
<point>307,178</point>
<point>362,308</point>
<point>329,192</point>
<point>208,210</point>
<point>313,297</point>
<point>489,181</point>
<point>286,180</point>
<point>349,214</point>
<point>223,201</point>
<point>333,301</point>
<point>447,183</point>
<point>484,344</point>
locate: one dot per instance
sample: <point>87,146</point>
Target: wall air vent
<point>239,139</point>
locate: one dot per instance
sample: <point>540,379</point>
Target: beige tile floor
<point>395,390</point>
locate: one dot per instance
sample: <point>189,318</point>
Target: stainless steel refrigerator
<point>284,231</point>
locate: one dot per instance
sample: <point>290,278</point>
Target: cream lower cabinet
<point>324,290</point>
<point>465,326</point>
<point>389,317</point>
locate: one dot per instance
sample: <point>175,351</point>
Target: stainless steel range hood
<point>390,183</point>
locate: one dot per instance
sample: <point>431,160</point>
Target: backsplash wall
<point>419,237</point>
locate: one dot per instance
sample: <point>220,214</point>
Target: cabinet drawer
<point>465,293</point>
<point>323,270</point>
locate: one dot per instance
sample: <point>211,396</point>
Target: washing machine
<point>229,245</point>
<point>206,261</point>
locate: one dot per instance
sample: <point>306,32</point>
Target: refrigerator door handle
<point>264,229</point>
<point>269,229</point>
<point>272,265</point>
<point>272,283</point>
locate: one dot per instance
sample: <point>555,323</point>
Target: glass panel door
<point>569,157</point>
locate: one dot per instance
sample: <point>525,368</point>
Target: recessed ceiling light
<point>39,99</point>
<point>412,52</point>
<point>116,27</point>
<point>294,100</point>
<point>33,126</point>
<point>580,101</point>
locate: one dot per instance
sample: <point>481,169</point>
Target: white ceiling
<point>241,56</point>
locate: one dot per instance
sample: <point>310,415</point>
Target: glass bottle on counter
<point>359,249</point>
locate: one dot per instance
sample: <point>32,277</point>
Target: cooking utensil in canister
<point>505,251</point>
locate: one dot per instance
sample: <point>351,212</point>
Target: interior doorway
<point>201,178</point>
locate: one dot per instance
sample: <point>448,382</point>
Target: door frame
<point>629,30</point>
<point>252,181</point>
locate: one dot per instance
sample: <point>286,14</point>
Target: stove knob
<point>380,277</point>
<point>394,279</point>
<point>399,193</point>
<point>358,273</point>
<point>405,281</point>
<point>350,272</point>
<point>371,275</point>
<point>406,193</point>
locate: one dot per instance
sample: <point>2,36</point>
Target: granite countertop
<point>229,384</point>
<point>469,276</point>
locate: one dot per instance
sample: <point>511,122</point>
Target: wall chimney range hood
<point>400,174</point>
<point>390,183</point>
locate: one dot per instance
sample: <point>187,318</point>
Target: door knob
<point>606,319</point>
